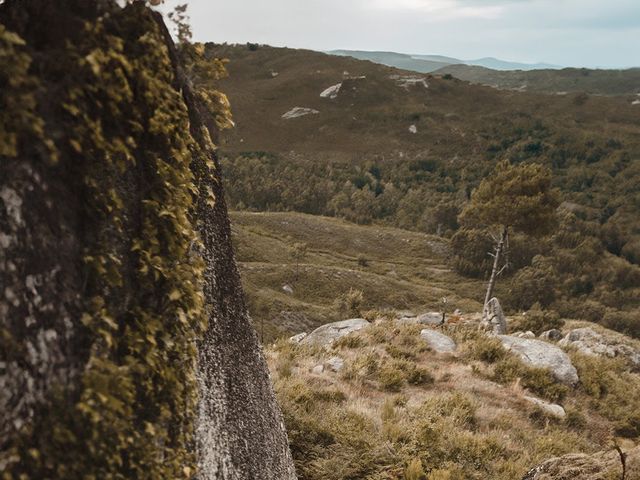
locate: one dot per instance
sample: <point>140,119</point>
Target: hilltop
<point>538,77</point>
<point>558,81</point>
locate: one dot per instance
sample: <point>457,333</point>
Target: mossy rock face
<point>125,346</point>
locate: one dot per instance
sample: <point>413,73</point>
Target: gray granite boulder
<point>437,341</point>
<point>327,334</point>
<point>552,335</point>
<point>298,338</point>
<point>589,342</point>
<point>335,364</point>
<point>550,408</point>
<point>537,353</point>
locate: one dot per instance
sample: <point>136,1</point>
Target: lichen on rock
<point>121,301</point>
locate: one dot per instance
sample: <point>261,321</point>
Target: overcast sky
<point>589,33</point>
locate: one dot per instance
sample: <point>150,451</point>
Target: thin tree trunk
<point>496,263</point>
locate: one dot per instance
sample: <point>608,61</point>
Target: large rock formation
<point>537,353</point>
<point>126,350</point>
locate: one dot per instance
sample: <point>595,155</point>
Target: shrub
<point>349,341</point>
<point>363,261</point>
<point>415,470</point>
<point>349,303</point>
<point>390,378</point>
<point>537,321</point>
<point>575,419</point>
<point>485,349</point>
<point>420,376</point>
<point>400,353</point>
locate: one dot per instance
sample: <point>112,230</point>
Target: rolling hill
<point>538,77</point>
<point>335,136</point>
<point>431,63</point>
<point>560,81</point>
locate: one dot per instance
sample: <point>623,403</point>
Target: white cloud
<point>441,9</point>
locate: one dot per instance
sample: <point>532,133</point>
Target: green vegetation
<point>512,198</point>
<point>405,270</point>
<point>356,160</point>
<point>370,421</point>
<point>131,413</point>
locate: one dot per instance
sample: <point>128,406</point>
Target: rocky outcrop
<point>493,317</point>
<point>438,342</point>
<point>428,318</point>
<point>297,112</point>
<point>537,353</point>
<point>550,408</point>
<point>125,343</point>
<point>580,466</point>
<point>589,342</point>
<point>552,335</point>
<point>327,334</point>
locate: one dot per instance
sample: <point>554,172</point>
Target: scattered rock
<point>552,335</point>
<point>332,92</point>
<point>299,112</point>
<point>298,338</point>
<point>550,408</point>
<point>528,334</point>
<point>430,318</point>
<point>635,102</point>
<point>274,74</point>
<point>537,353</point>
<point>405,314</point>
<point>438,341</point>
<point>318,369</point>
<point>329,333</point>
<point>493,317</point>
<point>589,342</point>
<point>409,81</point>
<point>287,289</point>
<point>581,466</point>
<point>413,129</point>
<point>335,364</point>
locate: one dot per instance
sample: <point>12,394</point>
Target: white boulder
<point>327,334</point>
<point>296,112</point>
<point>537,353</point>
<point>437,341</point>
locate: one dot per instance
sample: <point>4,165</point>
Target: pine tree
<point>512,198</point>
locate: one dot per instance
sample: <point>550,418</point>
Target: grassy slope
<point>405,270</point>
<point>371,117</point>
<point>460,417</point>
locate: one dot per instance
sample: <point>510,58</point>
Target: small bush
<point>420,376</point>
<point>575,420</point>
<point>485,349</point>
<point>390,378</point>
<point>363,261</point>
<point>415,470</point>
<point>537,321</point>
<point>349,304</point>
<point>400,353</point>
<point>349,341</point>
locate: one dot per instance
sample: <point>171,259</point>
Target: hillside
<point>385,402</point>
<point>395,148</point>
<point>395,269</point>
<point>559,81</point>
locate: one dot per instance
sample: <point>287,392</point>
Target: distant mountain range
<point>539,77</point>
<point>431,63</point>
